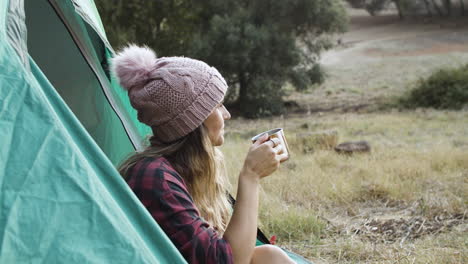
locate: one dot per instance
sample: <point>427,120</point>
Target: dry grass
<point>405,202</point>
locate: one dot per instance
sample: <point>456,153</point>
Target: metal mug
<point>276,133</point>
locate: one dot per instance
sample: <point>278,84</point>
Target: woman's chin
<point>219,141</point>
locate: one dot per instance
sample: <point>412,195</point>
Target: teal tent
<point>64,125</point>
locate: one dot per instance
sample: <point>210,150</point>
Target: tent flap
<point>17,32</point>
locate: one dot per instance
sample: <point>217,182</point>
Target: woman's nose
<point>226,114</point>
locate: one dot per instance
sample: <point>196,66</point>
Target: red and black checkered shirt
<point>164,193</point>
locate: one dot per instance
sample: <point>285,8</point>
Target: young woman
<point>180,177</point>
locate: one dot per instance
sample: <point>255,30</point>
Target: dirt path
<point>420,37</point>
<point>379,58</point>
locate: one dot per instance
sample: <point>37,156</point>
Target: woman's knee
<point>270,254</point>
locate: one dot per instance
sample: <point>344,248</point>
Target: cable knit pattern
<point>172,95</point>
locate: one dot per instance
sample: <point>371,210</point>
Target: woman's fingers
<point>262,139</point>
<point>282,157</point>
<point>278,149</point>
<point>273,142</point>
<point>276,141</point>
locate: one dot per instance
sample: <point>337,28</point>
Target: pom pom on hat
<point>133,64</point>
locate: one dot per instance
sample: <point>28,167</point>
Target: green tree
<point>165,25</point>
<point>258,45</point>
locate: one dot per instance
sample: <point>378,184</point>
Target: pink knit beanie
<point>172,95</point>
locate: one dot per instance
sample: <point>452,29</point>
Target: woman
<point>180,177</point>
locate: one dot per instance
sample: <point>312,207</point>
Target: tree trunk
<point>462,7</point>
<point>448,7</point>
<point>242,89</point>
<point>400,8</point>
<point>428,7</point>
<point>437,8</point>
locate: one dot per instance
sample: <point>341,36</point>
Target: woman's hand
<point>264,157</point>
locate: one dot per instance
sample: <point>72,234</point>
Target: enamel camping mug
<point>276,133</point>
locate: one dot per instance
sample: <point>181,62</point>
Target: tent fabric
<point>61,199</point>
<point>67,66</point>
<point>89,13</point>
<point>78,73</point>
<point>17,30</point>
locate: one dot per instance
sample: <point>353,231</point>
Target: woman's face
<point>214,123</point>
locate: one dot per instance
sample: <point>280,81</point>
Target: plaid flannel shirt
<point>164,193</point>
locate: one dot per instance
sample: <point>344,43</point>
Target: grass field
<point>404,202</point>
<point>406,199</point>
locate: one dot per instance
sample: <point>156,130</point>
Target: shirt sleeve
<point>164,194</point>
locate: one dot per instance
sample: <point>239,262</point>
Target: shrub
<point>444,89</point>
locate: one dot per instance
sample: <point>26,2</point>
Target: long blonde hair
<point>201,165</point>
